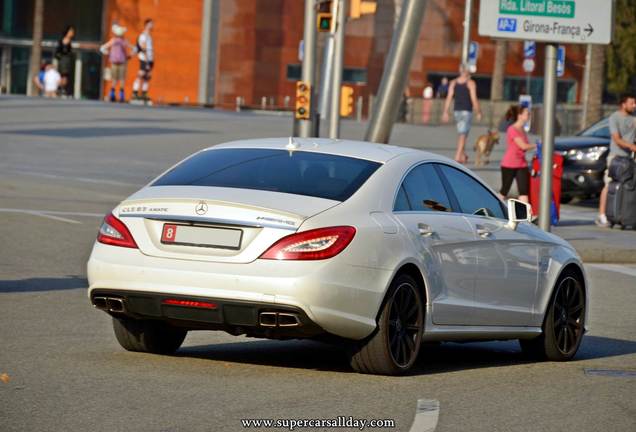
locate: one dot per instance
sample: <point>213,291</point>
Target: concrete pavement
<point>64,164</point>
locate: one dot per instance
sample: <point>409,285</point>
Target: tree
<point>621,54</point>
<point>594,98</point>
<point>496,89</point>
<point>36,49</point>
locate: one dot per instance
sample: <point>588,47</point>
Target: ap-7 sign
<point>562,21</point>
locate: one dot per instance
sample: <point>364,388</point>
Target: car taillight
<point>114,232</point>
<point>316,244</point>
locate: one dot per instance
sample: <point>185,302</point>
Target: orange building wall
<point>259,38</point>
<point>176,38</point>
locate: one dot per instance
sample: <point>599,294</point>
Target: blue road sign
<point>529,49</point>
<point>473,53</point>
<point>507,25</point>
<point>561,61</point>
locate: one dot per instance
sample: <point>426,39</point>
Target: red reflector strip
<point>189,303</point>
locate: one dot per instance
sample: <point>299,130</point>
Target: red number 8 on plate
<point>169,233</point>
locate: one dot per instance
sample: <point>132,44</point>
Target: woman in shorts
<point>513,163</point>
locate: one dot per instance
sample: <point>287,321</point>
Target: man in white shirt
<point>146,55</point>
<point>51,81</point>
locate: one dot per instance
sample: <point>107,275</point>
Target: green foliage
<point>621,54</point>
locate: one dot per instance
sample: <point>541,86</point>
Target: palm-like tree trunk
<point>594,97</point>
<point>499,71</point>
<point>36,50</point>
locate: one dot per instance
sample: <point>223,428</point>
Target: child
<point>52,80</point>
<point>117,49</point>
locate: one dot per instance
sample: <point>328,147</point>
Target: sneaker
<point>601,220</point>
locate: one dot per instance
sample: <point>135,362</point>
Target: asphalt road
<point>63,165</point>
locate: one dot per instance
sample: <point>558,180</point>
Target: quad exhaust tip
<point>110,304</point>
<point>279,319</point>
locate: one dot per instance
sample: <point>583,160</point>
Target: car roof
<point>350,148</point>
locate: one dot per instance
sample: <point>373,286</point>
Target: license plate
<point>187,235</point>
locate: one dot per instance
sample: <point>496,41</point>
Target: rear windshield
<point>301,173</point>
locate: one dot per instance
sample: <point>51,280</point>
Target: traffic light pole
<point>549,108</point>
<point>325,78</point>
<point>309,65</point>
<point>338,64</point>
<point>395,71</point>
<point>467,25</point>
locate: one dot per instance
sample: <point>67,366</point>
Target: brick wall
<point>177,40</point>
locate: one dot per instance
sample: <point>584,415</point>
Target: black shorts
<point>146,66</point>
<point>523,180</point>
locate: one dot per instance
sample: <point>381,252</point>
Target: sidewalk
<point>595,244</point>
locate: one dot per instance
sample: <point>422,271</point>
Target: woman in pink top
<point>513,163</point>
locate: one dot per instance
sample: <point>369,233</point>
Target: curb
<point>607,255</point>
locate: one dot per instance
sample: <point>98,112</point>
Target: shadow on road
<point>302,354</point>
<point>42,284</point>
<point>447,357</point>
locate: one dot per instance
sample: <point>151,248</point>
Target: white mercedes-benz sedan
<point>376,247</point>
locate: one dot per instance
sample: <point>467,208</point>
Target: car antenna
<point>292,145</point>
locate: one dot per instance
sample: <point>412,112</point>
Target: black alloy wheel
<point>393,348</point>
<point>564,323</point>
<point>568,316</point>
<point>405,325</point>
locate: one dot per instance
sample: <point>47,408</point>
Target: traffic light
<point>303,100</point>
<point>346,100</point>
<point>324,21</point>
<point>324,16</point>
<point>358,8</point>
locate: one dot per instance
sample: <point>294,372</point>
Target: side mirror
<point>518,211</point>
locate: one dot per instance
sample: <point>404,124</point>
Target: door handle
<point>425,230</point>
<point>483,232</point>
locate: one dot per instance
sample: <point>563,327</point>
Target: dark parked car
<point>584,161</point>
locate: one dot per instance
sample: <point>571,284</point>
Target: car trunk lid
<point>212,223</point>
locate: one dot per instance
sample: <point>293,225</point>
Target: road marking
<point>611,373</point>
<point>426,416</point>
<point>51,214</point>
<point>618,268</point>
<point>57,218</point>
<point>80,179</point>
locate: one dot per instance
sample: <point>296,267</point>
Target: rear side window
<point>424,191</point>
<point>473,198</point>
<point>301,173</point>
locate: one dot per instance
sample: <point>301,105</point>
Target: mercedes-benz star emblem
<point>201,208</point>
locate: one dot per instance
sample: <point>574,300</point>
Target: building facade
<point>215,51</point>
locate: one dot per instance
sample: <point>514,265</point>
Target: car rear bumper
<point>236,317</point>
<point>337,297</point>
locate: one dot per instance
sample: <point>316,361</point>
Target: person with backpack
<point>622,126</point>
<point>145,53</point>
<point>117,49</point>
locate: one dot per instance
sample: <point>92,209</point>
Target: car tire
<point>564,323</point>
<point>393,348</point>
<point>154,337</point>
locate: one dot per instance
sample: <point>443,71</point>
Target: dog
<point>483,147</point>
